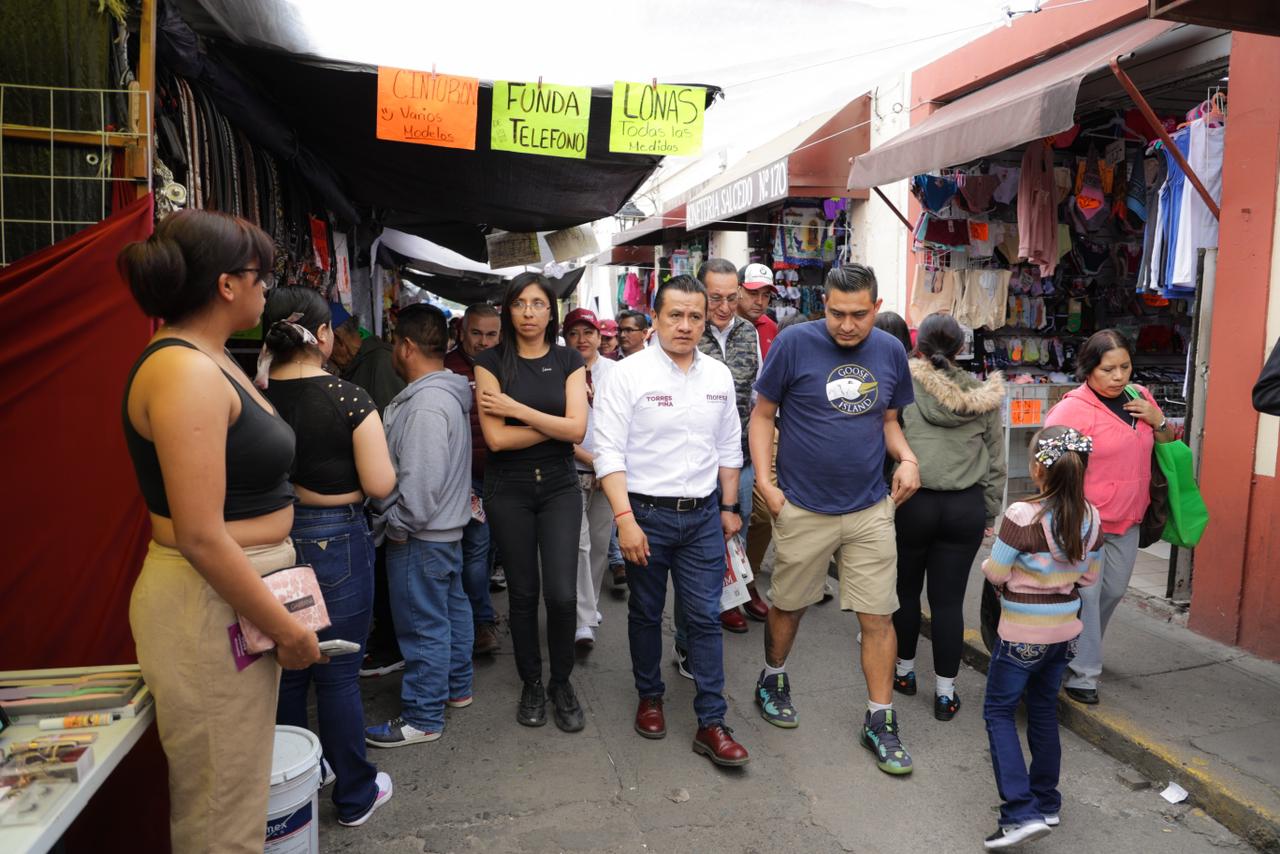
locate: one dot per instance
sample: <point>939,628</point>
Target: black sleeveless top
<point>259,454</point>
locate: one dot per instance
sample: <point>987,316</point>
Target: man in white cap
<point>754,293</point>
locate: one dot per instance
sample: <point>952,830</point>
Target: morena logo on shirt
<point>717,398</point>
<point>852,389</point>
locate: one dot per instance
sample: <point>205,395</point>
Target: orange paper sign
<point>1025,413</point>
<point>427,108</point>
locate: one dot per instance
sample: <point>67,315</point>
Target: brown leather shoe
<point>486,641</point>
<point>619,572</point>
<point>756,608</point>
<point>733,621</point>
<point>650,722</point>
<point>716,743</point>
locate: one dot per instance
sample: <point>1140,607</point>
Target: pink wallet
<point>296,588</point>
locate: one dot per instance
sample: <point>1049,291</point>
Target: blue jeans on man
<point>433,625</point>
<point>690,547</point>
<point>336,543</point>
<point>746,482</point>
<point>1035,669</point>
<point>476,563</point>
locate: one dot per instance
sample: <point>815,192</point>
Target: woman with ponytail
<point>954,428</point>
<point>341,460</point>
<point>212,459</point>
<point>1048,548</point>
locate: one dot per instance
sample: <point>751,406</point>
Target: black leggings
<point>535,512</point>
<point>939,533</point>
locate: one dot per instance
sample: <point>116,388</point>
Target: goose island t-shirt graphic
<point>833,402</point>
<point>852,389</point>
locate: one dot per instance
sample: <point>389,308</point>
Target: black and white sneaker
<point>681,659</point>
<point>1012,835</point>
<point>381,665</point>
<point>383,781</point>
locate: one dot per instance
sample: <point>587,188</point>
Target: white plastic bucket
<point>292,826</point>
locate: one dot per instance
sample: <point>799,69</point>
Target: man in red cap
<point>582,333</point>
<point>754,294</point>
<point>609,339</point>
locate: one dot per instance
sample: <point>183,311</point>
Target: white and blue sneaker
<point>396,733</point>
<point>1008,836</point>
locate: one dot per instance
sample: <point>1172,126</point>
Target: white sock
<point>905,666</point>
<point>770,670</point>
<point>944,687</point>
<point>878,707</point>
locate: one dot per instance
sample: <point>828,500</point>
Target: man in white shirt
<point>668,446</point>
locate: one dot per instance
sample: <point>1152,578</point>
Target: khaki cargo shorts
<point>864,543</point>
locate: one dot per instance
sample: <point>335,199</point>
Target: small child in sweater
<point>1047,548</point>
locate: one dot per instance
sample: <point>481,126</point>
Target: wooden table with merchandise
<point>113,743</point>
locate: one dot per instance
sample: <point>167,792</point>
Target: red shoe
<point>733,621</point>
<point>756,608</point>
<point>716,743</point>
<point>650,721</point>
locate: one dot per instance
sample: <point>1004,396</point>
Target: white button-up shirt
<point>670,431</point>
<point>600,372</point>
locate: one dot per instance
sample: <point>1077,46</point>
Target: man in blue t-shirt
<point>835,388</point>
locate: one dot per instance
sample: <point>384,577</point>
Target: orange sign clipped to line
<point>1025,413</point>
<point>427,108</point>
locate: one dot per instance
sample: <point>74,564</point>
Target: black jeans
<point>535,512</point>
<point>939,534</point>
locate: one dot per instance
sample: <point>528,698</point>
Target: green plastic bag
<point>1188,516</point>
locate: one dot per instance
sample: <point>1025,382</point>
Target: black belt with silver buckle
<point>680,505</point>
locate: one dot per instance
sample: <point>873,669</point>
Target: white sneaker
<point>585,637</point>
<point>599,618</point>
<point>384,794</point>
<point>1008,837</point>
<point>326,773</point>
<point>1052,820</point>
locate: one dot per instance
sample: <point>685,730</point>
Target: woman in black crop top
<point>532,396</point>
<point>212,459</point>
<point>342,458</point>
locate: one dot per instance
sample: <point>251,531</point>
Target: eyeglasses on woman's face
<point>265,277</point>
<point>530,307</point>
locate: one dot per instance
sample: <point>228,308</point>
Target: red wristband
<point>620,515</point>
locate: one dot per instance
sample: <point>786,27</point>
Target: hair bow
<point>265,356</point>
<point>1049,451</point>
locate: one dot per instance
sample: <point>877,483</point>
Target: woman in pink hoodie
<point>1118,483</point>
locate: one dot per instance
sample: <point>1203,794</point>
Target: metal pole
<point>1158,127</point>
<point>893,208</point>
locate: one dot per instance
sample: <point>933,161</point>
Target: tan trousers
<point>217,725</point>
<point>760,531</point>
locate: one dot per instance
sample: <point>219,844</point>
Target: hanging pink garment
<point>1037,222</point>
<point>632,294</point>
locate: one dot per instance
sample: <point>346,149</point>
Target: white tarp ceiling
<point>779,61</point>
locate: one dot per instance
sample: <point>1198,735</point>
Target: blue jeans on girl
<point>335,541</point>
<point>1036,668</point>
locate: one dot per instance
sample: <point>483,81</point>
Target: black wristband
<point>731,508</point>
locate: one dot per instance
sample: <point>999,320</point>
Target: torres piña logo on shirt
<point>852,389</point>
<point>659,399</point>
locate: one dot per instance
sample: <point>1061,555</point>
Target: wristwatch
<point>731,508</point>
<point>1164,425</point>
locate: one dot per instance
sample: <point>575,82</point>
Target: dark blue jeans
<point>1037,669</point>
<point>475,565</point>
<point>433,626</point>
<point>689,546</point>
<point>335,541</point>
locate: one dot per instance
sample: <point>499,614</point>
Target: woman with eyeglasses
<point>212,459</point>
<point>532,395</point>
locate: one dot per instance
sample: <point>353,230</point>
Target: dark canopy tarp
<point>431,191</point>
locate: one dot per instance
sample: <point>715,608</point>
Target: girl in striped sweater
<point>1047,549</point>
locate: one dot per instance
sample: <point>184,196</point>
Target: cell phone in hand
<point>338,647</point>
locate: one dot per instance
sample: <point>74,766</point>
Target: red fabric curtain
<point>77,528</point>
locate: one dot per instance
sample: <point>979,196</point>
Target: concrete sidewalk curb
<point>1211,788</point>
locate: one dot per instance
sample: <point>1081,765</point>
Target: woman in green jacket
<point>954,428</point>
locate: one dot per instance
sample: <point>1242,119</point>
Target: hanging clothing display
<point>1037,221</point>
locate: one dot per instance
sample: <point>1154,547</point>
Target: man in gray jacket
<point>429,434</point>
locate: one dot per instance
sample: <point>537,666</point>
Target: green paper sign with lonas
<point>540,118</point>
<point>660,119</point>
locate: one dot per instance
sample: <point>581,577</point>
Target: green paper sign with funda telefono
<point>661,120</point>
<point>540,118</point>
